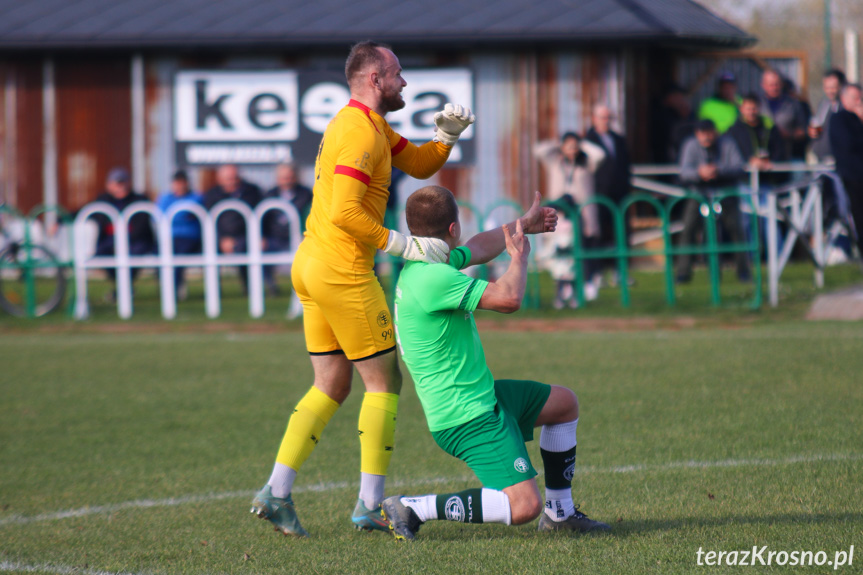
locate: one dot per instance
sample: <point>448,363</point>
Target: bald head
<point>365,57</point>
<point>286,176</point>
<point>771,83</point>
<point>228,177</point>
<point>602,117</point>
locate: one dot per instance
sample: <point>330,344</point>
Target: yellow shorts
<point>344,311</point>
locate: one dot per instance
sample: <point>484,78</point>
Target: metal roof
<point>293,24</point>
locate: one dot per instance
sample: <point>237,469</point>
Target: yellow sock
<point>377,429</point>
<point>311,415</point>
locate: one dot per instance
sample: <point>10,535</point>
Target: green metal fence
<point>622,251</point>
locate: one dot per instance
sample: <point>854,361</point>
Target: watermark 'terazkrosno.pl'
<point>765,556</point>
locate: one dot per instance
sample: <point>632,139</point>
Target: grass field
<point>139,453</point>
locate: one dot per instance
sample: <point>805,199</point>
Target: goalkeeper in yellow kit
<point>346,319</point>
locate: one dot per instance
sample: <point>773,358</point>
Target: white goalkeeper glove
<point>429,250</point>
<point>451,122</point>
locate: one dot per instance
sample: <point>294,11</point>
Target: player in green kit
<point>480,420</point>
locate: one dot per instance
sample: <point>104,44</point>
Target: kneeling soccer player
<point>471,416</point>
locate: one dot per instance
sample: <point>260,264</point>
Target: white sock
<point>282,480</point>
<point>372,489</point>
<point>495,507</point>
<point>558,437</point>
<point>558,504</point>
<point>424,506</point>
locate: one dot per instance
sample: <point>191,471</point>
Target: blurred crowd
<point>186,228</point>
<point>714,146</point>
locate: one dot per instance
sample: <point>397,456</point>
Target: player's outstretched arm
<point>415,248</point>
<point>486,246</point>
<point>506,294</point>
<point>424,161</point>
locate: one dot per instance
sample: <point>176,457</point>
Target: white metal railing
<point>165,260</point>
<point>801,204</point>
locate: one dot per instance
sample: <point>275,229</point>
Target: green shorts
<point>492,444</point>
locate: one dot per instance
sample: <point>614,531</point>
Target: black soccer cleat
<point>403,521</point>
<point>577,522</point>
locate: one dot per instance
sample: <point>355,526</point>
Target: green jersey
<point>439,342</point>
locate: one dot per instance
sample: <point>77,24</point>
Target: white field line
<point>334,486</point>
<point>6,566</point>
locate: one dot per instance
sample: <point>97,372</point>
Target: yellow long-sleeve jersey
<point>352,180</point>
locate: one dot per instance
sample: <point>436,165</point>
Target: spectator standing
<point>231,226</point>
<point>571,166</point>
<point>760,145</point>
<point>846,141</point>
<point>819,126</point>
<point>185,227</point>
<point>612,177</point>
<point>142,241</point>
<point>277,229</point>
<point>721,108</point>
<point>786,113</point>
<point>710,165</point>
<point>672,123</point>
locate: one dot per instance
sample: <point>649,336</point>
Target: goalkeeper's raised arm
<point>424,161</point>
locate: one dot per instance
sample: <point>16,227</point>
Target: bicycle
<point>32,278</point>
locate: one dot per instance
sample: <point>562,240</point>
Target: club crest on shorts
<point>521,465</point>
<point>454,509</point>
<point>383,319</point>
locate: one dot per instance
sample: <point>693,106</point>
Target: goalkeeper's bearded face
<point>391,83</point>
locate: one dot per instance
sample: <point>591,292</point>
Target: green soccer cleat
<point>403,521</point>
<point>578,522</point>
<point>280,512</point>
<point>365,519</point>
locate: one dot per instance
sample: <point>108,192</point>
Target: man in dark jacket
<point>760,144</point>
<point>757,139</point>
<point>231,226</point>
<point>787,113</point>
<point>119,194</point>
<point>612,176</point>
<point>846,141</point>
<point>277,229</point>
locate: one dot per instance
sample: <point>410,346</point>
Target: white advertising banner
<point>272,116</point>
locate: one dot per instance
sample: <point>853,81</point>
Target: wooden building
<point>92,84</point>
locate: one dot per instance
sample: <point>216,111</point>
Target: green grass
<point>774,410</point>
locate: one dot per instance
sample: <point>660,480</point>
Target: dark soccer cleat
<point>578,522</point>
<point>403,521</point>
<point>366,519</point>
<point>280,512</point>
